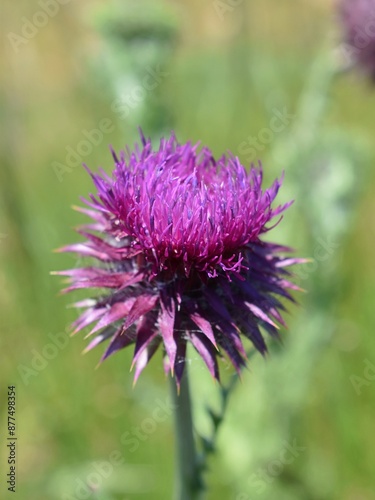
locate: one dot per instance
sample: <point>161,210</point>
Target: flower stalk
<point>188,481</point>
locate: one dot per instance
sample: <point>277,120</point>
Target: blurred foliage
<point>134,22</point>
<point>226,75</point>
<point>132,60</point>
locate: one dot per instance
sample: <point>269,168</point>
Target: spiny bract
<point>176,237</point>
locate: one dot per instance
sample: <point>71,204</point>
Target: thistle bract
<point>359,23</point>
<point>175,235</point>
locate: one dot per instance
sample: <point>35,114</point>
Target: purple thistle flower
<point>358,18</point>
<point>180,257</point>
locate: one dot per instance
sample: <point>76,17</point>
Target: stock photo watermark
<point>266,475</point>
<point>75,155</point>
<point>122,107</point>
<point>366,379</point>
<point>93,480</point>
<point>224,7</point>
<point>31,26</point>
<point>129,101</point>
<point>41,358</point>
<point>10,437</point>
<point>137,435</point>
<point>363,37</point>
<point>251,147</point>
<point>323,250</point>
<point>101,470</point>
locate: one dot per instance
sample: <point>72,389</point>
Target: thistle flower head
<point>358,18</point>
<point>179,258</point>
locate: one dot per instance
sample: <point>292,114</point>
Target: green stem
<point>188,482</point>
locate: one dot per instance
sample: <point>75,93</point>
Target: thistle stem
<point>188,481</point>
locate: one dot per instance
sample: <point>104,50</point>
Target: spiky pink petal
<point>176,235</point>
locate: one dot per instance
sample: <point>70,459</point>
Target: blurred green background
<point>300,425</point>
